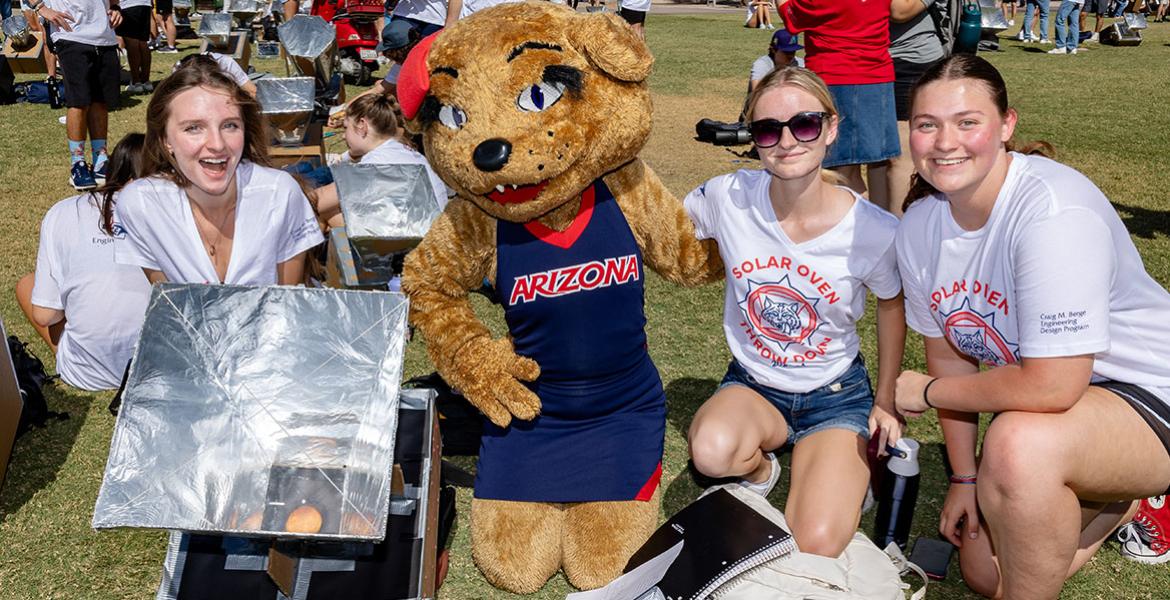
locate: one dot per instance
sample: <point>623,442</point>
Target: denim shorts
<point>843,404</point>
<point>868,129</point>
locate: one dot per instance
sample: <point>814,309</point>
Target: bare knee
<point>713,448</point>
<point>979,572</point>
<point>1021,451</point>
<point>821,536</point>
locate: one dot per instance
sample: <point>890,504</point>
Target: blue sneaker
<point>99,172</point>
<point>81,177</point>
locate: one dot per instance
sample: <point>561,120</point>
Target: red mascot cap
<point>413,79</point>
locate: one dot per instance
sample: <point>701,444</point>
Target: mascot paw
<point>600,538</point>
<point>516,545</point>
<point>491,380</point>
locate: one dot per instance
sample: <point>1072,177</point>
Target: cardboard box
<point>237,47</point>
<point>29,61</point>
<point>10,405</point>
<point>312,150</point>
<point>342,271</point>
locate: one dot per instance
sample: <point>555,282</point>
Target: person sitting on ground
<point>226,64</point>
<point>208,208</point>
<point>758,16</point>
<point>1020,264</point>
<point>374,136</point>
<point>801,254</point>
<point>781,53</point>
<point>87,308</point>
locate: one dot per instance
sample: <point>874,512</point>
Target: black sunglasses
<point>805,127</point>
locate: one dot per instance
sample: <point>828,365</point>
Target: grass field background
<point>1105,111</point>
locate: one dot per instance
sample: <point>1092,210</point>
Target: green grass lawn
<point>1104,110</point>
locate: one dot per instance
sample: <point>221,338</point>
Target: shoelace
<point>1146,530</point>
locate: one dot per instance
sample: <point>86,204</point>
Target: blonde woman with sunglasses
<point>800,253</point>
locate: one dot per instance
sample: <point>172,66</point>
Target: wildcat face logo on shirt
<point>776,316</point>
<point>976,335</point>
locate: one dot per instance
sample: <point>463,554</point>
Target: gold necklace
<point>211,246</point>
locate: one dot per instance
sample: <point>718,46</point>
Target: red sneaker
<point>1147,538</point>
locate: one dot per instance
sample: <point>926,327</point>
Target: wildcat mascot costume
<point>535,114</point>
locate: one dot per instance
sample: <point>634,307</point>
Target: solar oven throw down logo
<point>779,313</point>
<point>575,278</point>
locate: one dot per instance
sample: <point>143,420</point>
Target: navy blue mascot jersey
<point>573,301</point>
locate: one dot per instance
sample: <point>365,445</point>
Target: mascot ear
<point>414,80</point>
<point>610,44</point>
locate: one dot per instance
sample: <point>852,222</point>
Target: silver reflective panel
<point>994,20</point>
<point>387,210</point>
<point>288,104</point>
<point>16,29</point>
<point>216,28</point>
<point>259,411</point>
<point>1136,21</point>
<point>310,45</point>
<point>243,10</point>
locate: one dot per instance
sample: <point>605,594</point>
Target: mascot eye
<point>452,116</point>
<point>540,96</point>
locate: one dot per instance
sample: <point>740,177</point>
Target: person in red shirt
<point>847,43</point>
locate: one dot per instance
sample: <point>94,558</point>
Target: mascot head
<point>523,105</point>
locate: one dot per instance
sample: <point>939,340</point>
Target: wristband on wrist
<point>926,390</point>
<point>36,6</point>
<point>963,479</point>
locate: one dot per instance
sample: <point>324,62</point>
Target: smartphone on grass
<point>933,556</point>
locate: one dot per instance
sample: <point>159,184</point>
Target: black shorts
<point>633,17</point>
<point>91,74</point>
<point>906,74</point>
<point>1152,410</point>
<point>1097,7</point>
<point>164,7</point>
<point>135,23</point>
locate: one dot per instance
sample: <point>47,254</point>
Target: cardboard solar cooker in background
<point>248,410</point>
<point>310,47</point>
<point>387,210</point>
<point>288,104</point>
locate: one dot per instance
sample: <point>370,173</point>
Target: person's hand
<point>884,423</point>
<point>115,17</point>
<point>959,520</point>
<point>908,397</point>
<point>59,19</point>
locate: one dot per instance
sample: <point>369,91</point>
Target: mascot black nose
<point>491,155</point>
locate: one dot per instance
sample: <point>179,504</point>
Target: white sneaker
<point>1059,51</point>
<point>765,487</point>
<point>1072,51</point>
<point>1045,41</point>
<point>1096,37</point>
<point>1020,36</point>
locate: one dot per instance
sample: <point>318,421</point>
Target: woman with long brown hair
<point>1019,264</point>
<point>208,208</point>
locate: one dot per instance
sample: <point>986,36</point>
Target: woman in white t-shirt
<point>1019,264</point>
<point>373,135</point>
<point>88,308</point>
<point>800,256</point>
<point>208,208</point>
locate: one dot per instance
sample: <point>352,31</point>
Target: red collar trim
<point>565,239</point>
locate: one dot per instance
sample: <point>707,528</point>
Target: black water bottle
<point>53,85</point>
<point>897,496</point>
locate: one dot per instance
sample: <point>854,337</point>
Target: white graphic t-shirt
<point>104,302</point>
<point>90,22</point>
<point>791,310</point>
<point>274,223</point>
<point>1053,272</point>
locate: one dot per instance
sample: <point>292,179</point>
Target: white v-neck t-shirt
<point>104,302</point>
<point>274,223</point>
<point>791,310</point>
<point>1052,273</point>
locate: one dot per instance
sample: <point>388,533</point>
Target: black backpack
<point>31,377</point>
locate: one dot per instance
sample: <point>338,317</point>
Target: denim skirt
<point>868,127</point>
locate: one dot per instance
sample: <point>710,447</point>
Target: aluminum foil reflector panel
<point>243,11</point>
<point>387,209</point>
<point>1136,21</point>
<point>216,28</point>
<point>17,30</point>
<point>288,104</point>
<point>259,411</point>
<point>993,20</point>
<point>310,45</point>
